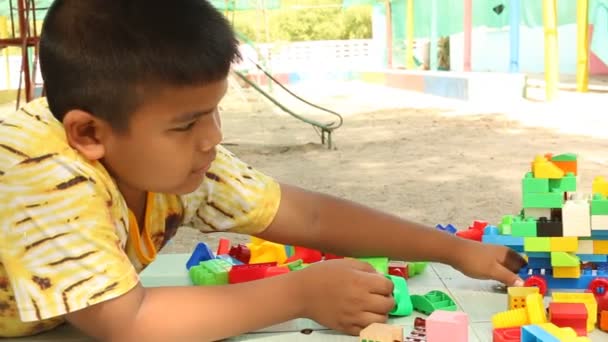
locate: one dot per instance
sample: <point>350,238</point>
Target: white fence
<point>330,55</point>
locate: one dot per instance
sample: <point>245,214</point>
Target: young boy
<point>97,177</point>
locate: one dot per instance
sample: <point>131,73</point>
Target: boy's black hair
<point>105,56</point>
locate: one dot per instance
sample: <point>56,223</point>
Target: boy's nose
<point>211,134</point>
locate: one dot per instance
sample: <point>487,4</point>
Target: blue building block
<point>534,333</point>
<point>599,235</point>
<point>538,254</point>
<point>514,242</point>
<point>539,263</point>
<point>449,228</point>
<point>582,283</point>
<point>593,257</point>
<point>230,259</point>
<point>201,252</point>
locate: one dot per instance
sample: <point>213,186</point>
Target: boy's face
<point>170,142</point>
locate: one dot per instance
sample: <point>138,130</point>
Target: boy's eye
<point>185,128</point>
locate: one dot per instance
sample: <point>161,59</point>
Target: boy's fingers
<point>507,277</point>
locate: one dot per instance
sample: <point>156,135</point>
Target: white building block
<point>585,247</point>
<point>576,218</point>
<point>599,222</point>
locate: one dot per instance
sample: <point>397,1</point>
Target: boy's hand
<point>485,261</point>
<point>346,295</point>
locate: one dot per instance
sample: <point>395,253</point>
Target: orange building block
<point>604,320</point>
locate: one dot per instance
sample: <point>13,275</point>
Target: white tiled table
<point>480,299</point>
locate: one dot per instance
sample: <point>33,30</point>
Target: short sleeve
<point>233,197</point>
<point>60,237</point>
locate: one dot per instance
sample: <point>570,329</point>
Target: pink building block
<point>450,326</point>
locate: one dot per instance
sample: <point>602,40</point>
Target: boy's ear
<point>86,133</point>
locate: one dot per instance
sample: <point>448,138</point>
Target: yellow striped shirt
<point>67,237</point>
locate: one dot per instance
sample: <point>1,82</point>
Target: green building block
<point>380,264</point>
<point>564,157</point>
<point>599,205</point>
<point>524,228</point>
<point>531,185</point>
<point>296,265</point>
<point>543,200</point>
<point>506,224</point>
<point>537,244</point>
<point>564,259</point>
<point>433,300</point>
<point>210,272</point>
<point>416,268</point>
<point>401,293</point>
<point>566,183</point>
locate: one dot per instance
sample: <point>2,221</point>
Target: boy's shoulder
<point>30,132</point>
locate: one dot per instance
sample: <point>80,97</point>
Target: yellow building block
<point>536,309</point>
<point>517,296</point>
<point>600,186</point>
<point>564,244</point>
<point>567,272</point>
<point>563,334</point>
<point>265,251</point>
<point>586,298</point>
<point>542,168</point>
<point>600,247</point>
<point>510,319</point>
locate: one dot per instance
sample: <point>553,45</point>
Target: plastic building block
<point>295,265</point>
<point>543,200</point>
<point>600,247</point>
<point>565,184</point>
<point>595,258</point>
<point>604,320</point>
<point>416,268</point>
<point>563,259</point>
<point>201,252</point>
<point>380,264</point>
<point>223,247</point>
<point>449,228</point>
<point>475,231</point>
<point>543,168</point>
<point>564,244</point>
<point>567,272</point>
<point>544,262</point>
<point>576,218</point>
<point>307,255</point>
<point>566,162</point>
<point>240,253</point>
<point>549,333</point>
<point>534,185</point>
<point>491,236</point>
<point>229,259</point>
<point>599,222</point>
<point>517,296</point>
<point>599,205</point>
<point>585,298</point>
<point>433,300</point>
<point>403,301</point>
<point>548,228</point>
<point>523,228</point>
<point>418,334</point>
<point>266,251</point>
<point>537,213</point>
<point>532,313</point>
<point>398,269</point>
<point>573,315</point>
<point>585,247</point>
<point>600,186</point>
<point>564,157</point>
<point>505,224</point>
<point>244,273</point>
<point>506,335</point>
<point>450,326</point>
<point>379,332</point>
<point>210,272</point>
<point>537,244</point>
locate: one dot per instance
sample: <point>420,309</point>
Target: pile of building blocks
<point>440,326</point>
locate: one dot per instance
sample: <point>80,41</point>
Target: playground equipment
<point>25,37</point>
<point>407,20</point>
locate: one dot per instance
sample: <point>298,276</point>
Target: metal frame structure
<point>26,38</point>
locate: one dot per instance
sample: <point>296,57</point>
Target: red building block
<point>244,273</point>
<point>399,270</point>
<point>475,232</point>
<point>240,253</point>
<point>223,247</point>
<point>307,255</point>
<point>573,315</point>
<point>507,335</point>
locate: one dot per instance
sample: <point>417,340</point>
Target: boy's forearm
<point>346,228</point>
<point>213,313</point>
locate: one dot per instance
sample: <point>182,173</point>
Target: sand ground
<point>419,157</point>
